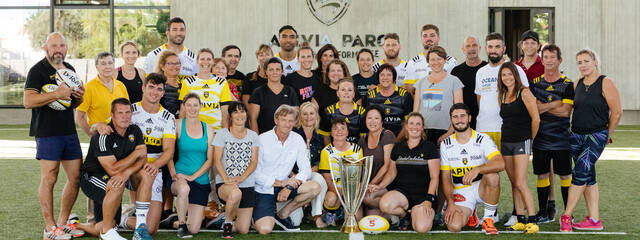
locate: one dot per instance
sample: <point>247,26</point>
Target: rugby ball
<point>373,224</point>
<point>68,77</point>
<point>58,104</point>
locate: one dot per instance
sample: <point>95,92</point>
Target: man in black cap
<point>530,62</point>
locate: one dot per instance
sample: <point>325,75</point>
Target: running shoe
<point>72,228</point>
<point>405,223</point>
<point>227,230</point>
<point>588,224</point>
<point>141,233</point>
<point>551,211</point>
<point>329,218</point>
<point>286,224</point>
<point>518,227</point>
<point>112,234</point>
<point>511,221</point>
<point>488,228</point>
<point>183,231</point>
<point>565,223</point>
<point>473,219</point>
<point>56,233</point>
<point>532,228</point>
<point>541,217</point>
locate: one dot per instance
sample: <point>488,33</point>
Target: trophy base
<point>350,224</point>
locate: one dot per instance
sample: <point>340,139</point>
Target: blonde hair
<point>591,53</point>
<point>162,60</point>
<point>129,43</point>
<point>313,106</point>
<point>263,48</point>
<point>285,110</point>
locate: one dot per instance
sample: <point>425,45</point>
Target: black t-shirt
<point>355,121</point>
<point>134,86</point>
<point>249,85</point>
<point>396,107</point>
<point>111,145</point>
<point>269,102</point>
<point>326,96</point>
<point>305,87</point>
<point>362,84</point>
<point>46,121</point>
<point>553,133</point>
<point>411,164</point>
<point>467,76</point>
<point>237,80</point>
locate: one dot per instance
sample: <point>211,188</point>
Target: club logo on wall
<point>328,11</point>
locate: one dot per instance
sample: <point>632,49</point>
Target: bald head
<point>55,47</point>
<point>471,47</point>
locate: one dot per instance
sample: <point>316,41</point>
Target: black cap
<point>529,34</point>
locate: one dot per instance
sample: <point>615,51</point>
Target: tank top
<point>590,109</point>
<point>192,153</point>
<point>516,122</point>
<point>134,86</point>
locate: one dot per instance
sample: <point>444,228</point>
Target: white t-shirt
<point>461,158</point>
<point>401,70</point>
<point>418,68</point>
<point>489,119</point>
<point>188,63</point>
<point>289,66</point>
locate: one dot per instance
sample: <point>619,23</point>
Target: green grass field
<point>20,216</point>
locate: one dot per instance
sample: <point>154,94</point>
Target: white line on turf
<point>437,231</point>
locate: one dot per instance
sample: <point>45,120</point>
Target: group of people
<point>190,128</point>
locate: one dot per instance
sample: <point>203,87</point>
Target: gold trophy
<point>351,185</point>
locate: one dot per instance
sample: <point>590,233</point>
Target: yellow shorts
<point>496,136</point>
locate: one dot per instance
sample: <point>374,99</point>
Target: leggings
<point>585,151</point>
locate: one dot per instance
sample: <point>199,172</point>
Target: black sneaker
<point>405,223</point>
<point>541,217</point>
<point>227,230</point>
<point>167,222</point>
<point>286,224</point>
<point>183,231</point>
<point>551,211</point>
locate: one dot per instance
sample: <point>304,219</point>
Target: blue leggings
<point>585,151</point>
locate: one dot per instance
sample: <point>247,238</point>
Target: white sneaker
<point>512,221</point>
<point>56,233</point>
<point>112,234</point>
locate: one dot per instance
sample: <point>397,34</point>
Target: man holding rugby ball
<point>56,137</point>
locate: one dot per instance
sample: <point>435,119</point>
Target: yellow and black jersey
<point>355,121</point>
<point>554,130</point>
<point>213,93</point>
<point>329,163</point>
<point>461,158</point>
<point>396,107</point>
<point>154,127</point>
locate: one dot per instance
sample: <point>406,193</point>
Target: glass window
<point>18,53</point>
<point>145,27</point>
<point>87,33</point>
<point>25,3</point>
<point>82,2</point>
<point>142,2</point>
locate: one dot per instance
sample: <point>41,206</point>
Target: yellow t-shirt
<point>212,92</point>
<point>98,98</point>
<point>329,164</point>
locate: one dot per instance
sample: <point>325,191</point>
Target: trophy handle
<point>333,179</point>
<point>368,164</point>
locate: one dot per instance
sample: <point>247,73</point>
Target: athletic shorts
<point>542,161</point>
<point>516,148</point>
<point>248,199</point>
<point>468,197</point>
<point>198,193</point>
<point>94,188</point>
<point>58,148</point>
<point>434,134</point>
<point>156,188</point>
<point>496,137</point>
<point>414,198</point>
<point>266,203</point>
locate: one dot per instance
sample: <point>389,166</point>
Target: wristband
<point>289,187</point>
<point>431,198</point>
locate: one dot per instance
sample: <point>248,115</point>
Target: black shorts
<point>414,198</point>
<point>542,161</point>
<point>266,203</point>
<point>434,134</point>
<point>248,199</point>
<point>198,193</point>
<point>94,188</point>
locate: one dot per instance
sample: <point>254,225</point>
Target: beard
<point>494,59</point>
<point>391,55</point>
<point>461,129</point>
<point>56,58</point>
<point>177,40</point>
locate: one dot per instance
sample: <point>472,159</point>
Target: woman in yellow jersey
<point>339,147</point>
<point>169,66</point>
<point>212,90</point>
